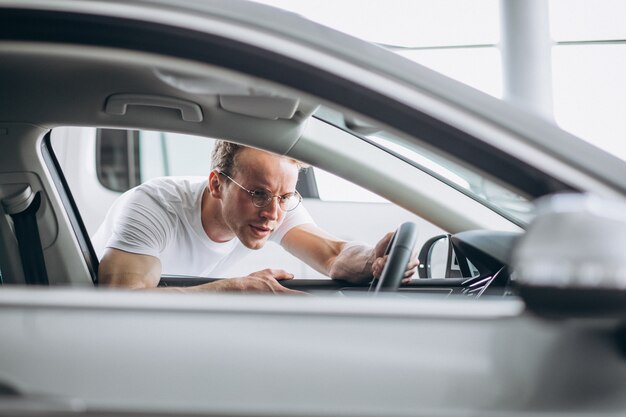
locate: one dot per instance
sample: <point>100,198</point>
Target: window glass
<point>423,31</point>
<point>116,159</point>
<point>126,158</point>
<point>164,154</point>
<point>470,182</point>
<point>334,188</point>
<point>473,183</point>
<point>587,102</point>
<point>585,20</point>
<point>154,159</point>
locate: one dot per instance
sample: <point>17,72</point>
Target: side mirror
<point>571,262</point>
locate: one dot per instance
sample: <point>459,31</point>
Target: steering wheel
<point>399,253</point>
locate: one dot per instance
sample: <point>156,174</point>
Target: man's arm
<point>130,270</point>
<point>349,261</point>
<point>334,257</point>
<point>134,271</point>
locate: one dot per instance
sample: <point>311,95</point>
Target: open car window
<point>114,160</point>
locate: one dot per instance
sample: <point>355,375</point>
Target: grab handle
<point>117,105</point>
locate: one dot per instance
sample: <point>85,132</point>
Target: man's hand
<point>265,281</point>
<point>381,259</point>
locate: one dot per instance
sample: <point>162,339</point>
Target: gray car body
<point>90,351</point>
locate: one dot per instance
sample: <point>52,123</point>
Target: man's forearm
<point>354,263</point>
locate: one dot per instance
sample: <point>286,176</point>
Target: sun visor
<point>265,107</point>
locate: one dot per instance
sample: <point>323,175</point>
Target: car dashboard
<point>483,269</point>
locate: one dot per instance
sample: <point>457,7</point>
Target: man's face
<point>256,170</point>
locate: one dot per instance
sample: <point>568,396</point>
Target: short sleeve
<point>292,219</point>
<point>143,225</point>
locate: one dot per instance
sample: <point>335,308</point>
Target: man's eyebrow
<point>258,187</point>
<point>256,184</point>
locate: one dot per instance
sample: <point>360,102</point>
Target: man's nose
<point>272,211</point>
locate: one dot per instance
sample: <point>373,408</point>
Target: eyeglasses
<point>262,198</point>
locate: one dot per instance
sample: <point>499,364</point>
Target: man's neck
<point>212,220</point>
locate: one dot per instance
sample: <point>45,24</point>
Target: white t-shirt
<point>161,218</point>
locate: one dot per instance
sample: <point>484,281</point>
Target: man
<point>181,227</point>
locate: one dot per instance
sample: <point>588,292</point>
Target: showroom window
<point>589,63</point>
<point>462,40</point>
<point>455,37</point>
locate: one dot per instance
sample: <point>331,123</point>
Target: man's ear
<point>215,184</point>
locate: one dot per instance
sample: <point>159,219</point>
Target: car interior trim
<point>79,230</point>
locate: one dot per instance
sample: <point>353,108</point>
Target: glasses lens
<point>290,202</point>
<point>261,198</point>
<point>287,202</point>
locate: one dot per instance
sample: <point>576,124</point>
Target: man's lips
<point>261,230</point>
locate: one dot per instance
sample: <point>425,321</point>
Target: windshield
<point>476,185</point>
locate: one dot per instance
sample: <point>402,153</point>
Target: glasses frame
<point>280,198</point>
